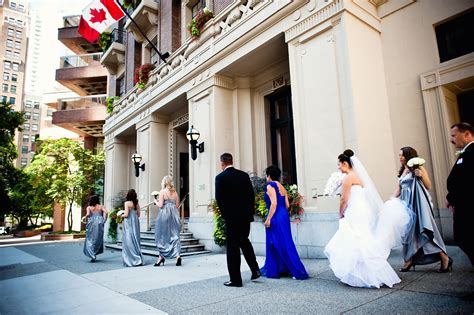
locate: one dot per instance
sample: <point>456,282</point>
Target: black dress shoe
<point>232,284</point>
<point>256,275</point>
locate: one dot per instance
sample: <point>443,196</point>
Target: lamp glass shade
<point>193,134</point>
<point>136,158</point>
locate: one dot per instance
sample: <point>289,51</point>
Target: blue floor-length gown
<point>281,257</point>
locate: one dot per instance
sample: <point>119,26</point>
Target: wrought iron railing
<point>180,207</point>
<point>117,36</point>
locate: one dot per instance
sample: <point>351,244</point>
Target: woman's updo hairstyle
<point>346,157</point>
<point>274,172</point>
<point>167,182</point>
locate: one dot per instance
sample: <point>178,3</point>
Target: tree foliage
<point>10,122</point>
<point>66,173</point>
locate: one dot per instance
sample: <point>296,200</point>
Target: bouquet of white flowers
<point>120,216</point>
<point>84,220</point>
<point>334,184</point>
<point>415,162</point>
<point>155,193</point>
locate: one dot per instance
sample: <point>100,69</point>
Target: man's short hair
<point>226,158</point>
<point>463,127</point>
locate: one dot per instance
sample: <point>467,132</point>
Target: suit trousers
<point>463,235</point>
<point>238,239</point>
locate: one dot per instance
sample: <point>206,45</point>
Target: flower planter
<point>61,237</point>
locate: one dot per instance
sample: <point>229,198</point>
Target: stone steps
<point>189,244</point>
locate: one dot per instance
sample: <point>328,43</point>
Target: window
<point>27,115</point>
<point>33,138</point>
<point>24,161</point>
<point>19,33</point>
<point>4,87</point>
<point>26,126</point>
<point>28,104</point>
<point>21,7</point>
<point>201,4</point>
<point>37,105</point>
<point>26,138</point>
<point>8,54</point>
<point>19,23</point>
<point>11,21</point>
<point>6,76</point>
<point>13,5</point>
<point>16,55</point>
<point>10,32</point>
<point>14,77</point>
<point>18,45</point>
<point>34,127</point>
<point>13,88</point>
<point>35,116</point>
<point>120,86</point>
<point>15,66</point>
<point>12,100</point>
<point>9,43</point>
<point>454,37</point>
<point>24,149</point>
<point>4,99</point>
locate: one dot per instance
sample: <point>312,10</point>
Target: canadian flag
<point>98,16</point>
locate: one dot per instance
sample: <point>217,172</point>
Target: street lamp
<point>193,136</point>
<point>136,159</point>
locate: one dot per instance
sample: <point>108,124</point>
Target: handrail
<point>181,207</point>
<point>147,206</point>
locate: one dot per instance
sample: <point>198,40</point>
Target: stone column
<point>153,146</point>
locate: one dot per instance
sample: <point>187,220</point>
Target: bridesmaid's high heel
<point>160,262</point>
<point>408,267</point>
<point>448,268</point>
<point>178,261</point>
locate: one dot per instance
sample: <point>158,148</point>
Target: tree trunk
<point>69,217</point>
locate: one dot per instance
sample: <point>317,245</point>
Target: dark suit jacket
<point>461,181</point>
<point>235,196</point>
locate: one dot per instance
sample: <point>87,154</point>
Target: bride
<point>355,255</point>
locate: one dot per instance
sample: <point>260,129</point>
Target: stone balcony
<point>146,17</point>
<point>114,55</point>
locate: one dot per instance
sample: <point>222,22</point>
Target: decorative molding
<point>222,81</point>
<point>377,3</point>
<point>172,125</point>
<point>315,19</point>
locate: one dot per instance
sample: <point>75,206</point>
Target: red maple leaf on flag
<point>98,16</point>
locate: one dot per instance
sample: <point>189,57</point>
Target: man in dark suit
<point>460,188</point>
<point>236,200</point>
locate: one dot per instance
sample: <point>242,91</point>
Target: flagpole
<point>162,57</point>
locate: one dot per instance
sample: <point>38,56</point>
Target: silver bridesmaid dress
<point>167,230</point>
<point>94,243</point>
<point>423,241</point>
<point>131,252</point>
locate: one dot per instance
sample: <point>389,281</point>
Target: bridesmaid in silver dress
<point>96,215</point>
<point>131,252</point>
<point>168,225</point>
<point>422,243</point>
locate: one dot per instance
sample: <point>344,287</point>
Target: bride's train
<point>356,256</point>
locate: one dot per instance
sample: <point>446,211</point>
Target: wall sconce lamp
<point>136,159</point>
<point>193,136</point>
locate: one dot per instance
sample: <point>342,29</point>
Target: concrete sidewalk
<point>56,278</point>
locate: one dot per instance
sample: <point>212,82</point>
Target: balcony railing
<point>81,102</point>
<point>71,20</point>
<point>80,60</point>
<point>117,36</point>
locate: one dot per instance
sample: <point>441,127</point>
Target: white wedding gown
<point>356,255</point>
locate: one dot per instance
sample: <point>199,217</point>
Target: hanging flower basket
<point>142,75</point>
<point>104,40</point>
<point>197,24</point>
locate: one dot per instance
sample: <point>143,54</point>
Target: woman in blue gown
<point>282,257</point>
<point>97,215</point>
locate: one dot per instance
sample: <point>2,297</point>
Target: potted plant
<point>142,74</point>
<point>197,24</point>
<point>109,103</point>
<point>104,40</point>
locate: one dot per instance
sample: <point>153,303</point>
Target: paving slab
<point>59,291</point>
<point>12,255</point>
